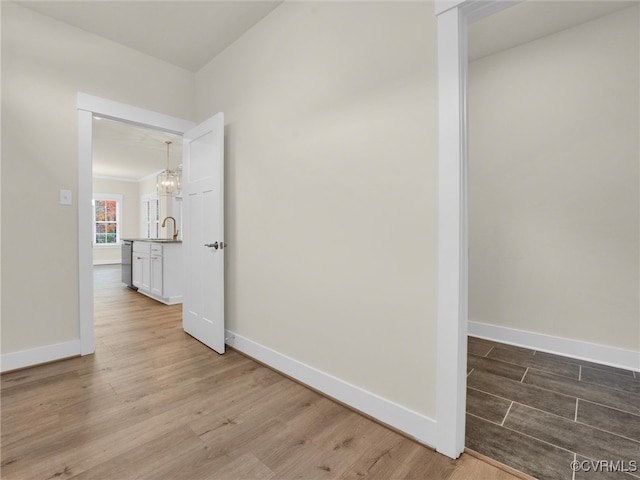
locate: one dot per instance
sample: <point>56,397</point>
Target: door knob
<point>213,245</point>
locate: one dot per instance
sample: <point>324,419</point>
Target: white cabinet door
<point>156,275</point>
<point>141,277</point>
<point>203,239</point>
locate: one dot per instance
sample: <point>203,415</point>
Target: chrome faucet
<point>175,232</point>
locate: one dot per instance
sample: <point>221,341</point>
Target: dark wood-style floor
<point>539,412</point>
<point>154,403</point>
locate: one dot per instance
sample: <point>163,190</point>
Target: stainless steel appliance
<point>127,264</point>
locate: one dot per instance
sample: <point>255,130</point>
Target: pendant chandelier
<point>168,181</point>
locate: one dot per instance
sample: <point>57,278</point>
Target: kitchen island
<point>157,268</point>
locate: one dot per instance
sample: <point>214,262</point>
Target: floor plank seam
<point>541,410</point>
<point>584,363</point>
<point>484,419</point>
<point>533,385</point>
<point>534,367</point>
<point>504,362</point>
<point>526,435</point>
<point>556,376</point>
<point>560,377</point>
<point>489,393</point>
<point>610,406</point>
<point>506,414</point>
<point>611,388</point>
<point>610,432</point>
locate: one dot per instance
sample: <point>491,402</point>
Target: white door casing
<point>89,106</point>
<point>454,16</point>
<point>203,239</point>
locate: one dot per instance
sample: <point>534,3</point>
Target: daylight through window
<point>106,221</point>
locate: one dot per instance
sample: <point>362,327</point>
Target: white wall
<point>129,216</point>
<point>331,190</point>
<point>149,186</point>
<point>44,65</point>
<point>554,200</point>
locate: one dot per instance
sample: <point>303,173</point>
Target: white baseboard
<point>36,356</point>
<point>592,352</point>
<point>413,424</point>
<point>107,262</point>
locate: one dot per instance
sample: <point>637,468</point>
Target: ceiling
<point>530,20</point>
<point>189,34</point>
<point>130,152</point>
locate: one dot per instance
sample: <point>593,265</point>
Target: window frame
<point>107,197</point>
<point>146,223</point>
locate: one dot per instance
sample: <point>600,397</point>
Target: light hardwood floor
<point>155,403</point>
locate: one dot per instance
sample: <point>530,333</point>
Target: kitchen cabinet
<point>155,275</point>
<point>140,266</point>
<point>157,270</point>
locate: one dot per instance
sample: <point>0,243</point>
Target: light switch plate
<point>65,197</point>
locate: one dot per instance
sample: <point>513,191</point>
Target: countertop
<point>153,240</point>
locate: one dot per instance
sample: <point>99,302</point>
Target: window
<point>106,220</point>
<point>150,216</point>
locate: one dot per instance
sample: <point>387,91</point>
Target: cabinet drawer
<point>142,247</point>
<point>156,249</point>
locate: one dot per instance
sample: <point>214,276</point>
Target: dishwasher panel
<point>127,264</point>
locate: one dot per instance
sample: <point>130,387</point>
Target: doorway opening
<point>454,19</point>
<point>541,191</point>
<point>126,161</point>
<point>89,107</point>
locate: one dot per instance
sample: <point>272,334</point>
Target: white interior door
<point>203,238</point>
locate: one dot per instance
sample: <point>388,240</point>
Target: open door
<point>203,238</point>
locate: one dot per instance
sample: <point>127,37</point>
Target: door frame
<point>90,106</point>
<point>454,17</point>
